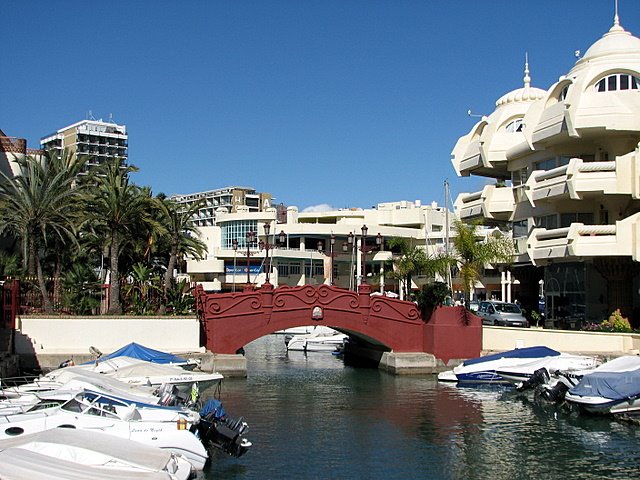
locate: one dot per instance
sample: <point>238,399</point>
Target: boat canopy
<point>135,350</point>
<point>617,379</point>
<point>527,352</point>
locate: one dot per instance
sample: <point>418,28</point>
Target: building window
<point>618,81</point>
<point>237,230</point>
<point>516,126</point>
<point>563,93</point>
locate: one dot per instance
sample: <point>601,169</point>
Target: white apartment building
<point>227,199</point>
<point>566,168</point>
<point>314,247</point>
<point>99,140</point>
<point>12,149</point>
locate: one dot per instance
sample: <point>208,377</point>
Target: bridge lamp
<point>363,249</point>
<point>332,242</point>
<point>234,244</point>
<point>250,238</point>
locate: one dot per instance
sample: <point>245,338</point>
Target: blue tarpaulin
<point>527,352</point>
<point>613,385</point>
<point>135,350</point>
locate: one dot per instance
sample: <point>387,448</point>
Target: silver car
<point>504,314</point>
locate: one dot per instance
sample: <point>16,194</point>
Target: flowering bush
<point>615,323</point>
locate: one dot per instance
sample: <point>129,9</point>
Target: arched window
<point>563,93</point>
<point>515,126</point>
<point>618,81</point>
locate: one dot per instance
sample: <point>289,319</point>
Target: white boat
<point>142,372</point>
<point>613,387</point>
<point>519,375</point>
<point>81,454</point>
<point>170,428</point>
<point>483,369</point>
<point>321,329</point>
<point>317,341</point>
<point>70,380</point>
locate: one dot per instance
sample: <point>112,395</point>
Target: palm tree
<point>181,236</point>
<point>473,252</point>
<point>40,205</point>
<point>415,261</point>
<point>116,207</point>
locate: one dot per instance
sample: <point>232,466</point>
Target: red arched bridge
<point>232,320</point>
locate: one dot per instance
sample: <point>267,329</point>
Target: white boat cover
<point>617,379</point>
<point>89,447</point>
<point>76,376</point>
<point>20,464</point>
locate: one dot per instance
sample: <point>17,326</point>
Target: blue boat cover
<point>135,350</point>
<point>611,385</point>
<point>527,352</point>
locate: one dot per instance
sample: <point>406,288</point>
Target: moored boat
<point>483,369</point>
<point>80,454</point>
<point>613,387</point>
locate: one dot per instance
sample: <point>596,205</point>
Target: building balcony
<point>579,179</point>
<point>586,241</point>
<point>205,266</point>
<point>492,202</point>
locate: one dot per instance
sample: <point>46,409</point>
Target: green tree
<point>410,261</point>
<point>40,205</point>
<point>118,207</point>
<point>181,237</point>
<point>472,252</point>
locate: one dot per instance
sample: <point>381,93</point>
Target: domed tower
<point>575,182</point>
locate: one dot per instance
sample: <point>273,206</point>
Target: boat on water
<point>613,387</point>
<point>483,369</point>
<point>317,341</point>
<point>135,350</point>
<point>143,372</point>
<point>178,428</point>
<point>520,374</point>
<point>71,454</point>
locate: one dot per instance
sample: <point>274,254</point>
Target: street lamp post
<point>332,242</point>
<point>319,251</point>
<point>345,248</point>
<point>364,249</point>
<point>250,238</point>
<point>266,245</point>
<point>234,244</point>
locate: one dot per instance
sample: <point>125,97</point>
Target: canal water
<point>312,417</point>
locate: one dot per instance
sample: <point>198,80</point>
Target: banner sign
<point>242,270</point>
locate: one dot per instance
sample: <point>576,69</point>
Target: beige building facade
<point>564,170</point>
<point>314,247</point>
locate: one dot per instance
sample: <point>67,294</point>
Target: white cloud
<point>323,207</point>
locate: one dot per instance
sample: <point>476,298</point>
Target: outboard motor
<point>539,377</point>
<point>218,430</point>
<point>556,393</point>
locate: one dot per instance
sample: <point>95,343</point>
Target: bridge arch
<point>232,320</point>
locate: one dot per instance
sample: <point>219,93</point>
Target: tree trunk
<point>46,303</point>
<point>168,277</point>
<point>115,308</point>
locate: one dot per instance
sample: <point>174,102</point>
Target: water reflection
<point>312,417</point>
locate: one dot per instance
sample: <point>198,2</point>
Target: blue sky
<point>347,103</point>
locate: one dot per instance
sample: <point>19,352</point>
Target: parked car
<point>504,314</point>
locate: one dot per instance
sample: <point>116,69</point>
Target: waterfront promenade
<point>43,342</point>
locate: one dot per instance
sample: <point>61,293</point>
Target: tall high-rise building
<point>97,139</point>
<point>226,199</point>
